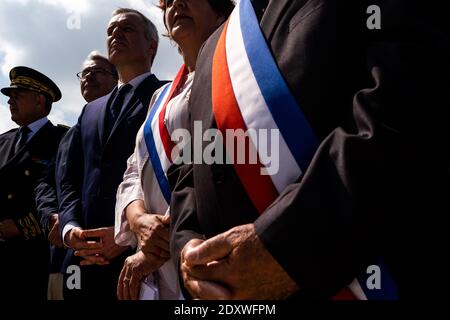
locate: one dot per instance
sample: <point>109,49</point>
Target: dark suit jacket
<point>87,181</point>
<point>374,99</point>
<point>24,266</point>
<point>47,200</point>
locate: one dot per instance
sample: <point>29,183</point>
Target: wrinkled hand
<point>233,265</point>
<point>153,234</point>
<point>135,269</point>
<point>8,229</point>
<point>54,236</point>
<point>107,250</point>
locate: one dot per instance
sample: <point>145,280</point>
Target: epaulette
<point>63,126</point>
<point>62,129</point>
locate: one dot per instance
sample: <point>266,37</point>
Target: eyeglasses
<point>94,72</point>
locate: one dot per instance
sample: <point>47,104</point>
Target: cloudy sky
<point>55,36</point>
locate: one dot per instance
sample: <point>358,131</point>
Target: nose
<point>116,32</point>
<point>89,76</point>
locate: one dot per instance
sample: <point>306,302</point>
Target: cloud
<point>55,36</point>
<point>5,119</point>
<point>11,56</point>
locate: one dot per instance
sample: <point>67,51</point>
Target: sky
<point>55,36</point>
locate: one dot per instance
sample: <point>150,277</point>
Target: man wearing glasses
<point>97,78</point>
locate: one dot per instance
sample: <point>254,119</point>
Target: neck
<point>128,73</point>
<point>190,53</point>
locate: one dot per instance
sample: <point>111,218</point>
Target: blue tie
<point>22,138</point>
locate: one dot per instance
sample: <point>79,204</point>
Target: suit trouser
<point>55,286</point>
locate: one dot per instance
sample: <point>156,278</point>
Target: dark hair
<point>222,7</point>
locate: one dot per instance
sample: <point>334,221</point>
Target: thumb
<point>210,250</point>
<point>165,219</point>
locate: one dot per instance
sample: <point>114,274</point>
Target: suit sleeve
<point>69,173</point>
<point>45,197</point>
<point>361,192</point>
<point>183,214</point>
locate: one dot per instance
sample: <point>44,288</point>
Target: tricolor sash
<point>160,146</point>
<point>250,93</point>
<point>157,137</point>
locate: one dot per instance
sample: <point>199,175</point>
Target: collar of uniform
<point>36,126</point>
<point>136,81</point>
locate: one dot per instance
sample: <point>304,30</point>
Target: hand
<point>135,269</point>
<point>151,230</point>
<point>153,234</point>
<point>76,240</point>
<point>8,229</point>
<point>108,249</point>
<point>54,236</point>
<point>234,265</point>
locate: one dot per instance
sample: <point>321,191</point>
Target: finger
<point>151,244</point>
<point>91,260</point>
<point>88,252</point>
<point>213,249</point>
<point>165,220</point>
<point>213,271</point>
<point>156,232</point>
<point>120,286</point>
<point>101,232</point>
<point>134,286</point>
<point>126,292</point>
<point>87,245</point>
<point>207,290</point>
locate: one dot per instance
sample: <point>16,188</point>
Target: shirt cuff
<point>67,228</point>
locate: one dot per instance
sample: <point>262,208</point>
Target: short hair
<point>95,55</point>
<point>151,33</point>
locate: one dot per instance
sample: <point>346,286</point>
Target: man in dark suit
<point>374,100</point>
<point>97,78</point>
<point>24,154</point>
<point>101,143</point>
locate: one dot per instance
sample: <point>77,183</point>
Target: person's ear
<point>153,47</point>
<point>41,101</point>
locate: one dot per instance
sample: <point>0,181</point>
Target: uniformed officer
<point>25,153</point>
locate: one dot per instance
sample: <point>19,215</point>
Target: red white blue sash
<point>157,137</point>
<point>250,93</point>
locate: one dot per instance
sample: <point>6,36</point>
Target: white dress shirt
<point>139,183</point>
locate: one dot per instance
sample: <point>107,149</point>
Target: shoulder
<point>99,101</point>
<point>8,134</point>
<point>61,129</point>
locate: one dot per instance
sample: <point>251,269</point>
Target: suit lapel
<point>7,150</point>
<point>25,153</point>
<point>140,96</point>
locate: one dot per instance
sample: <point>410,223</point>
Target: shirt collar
<point>136,81</point>
<point>37,125</point>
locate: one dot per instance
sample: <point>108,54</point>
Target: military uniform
<point>24,265</point>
